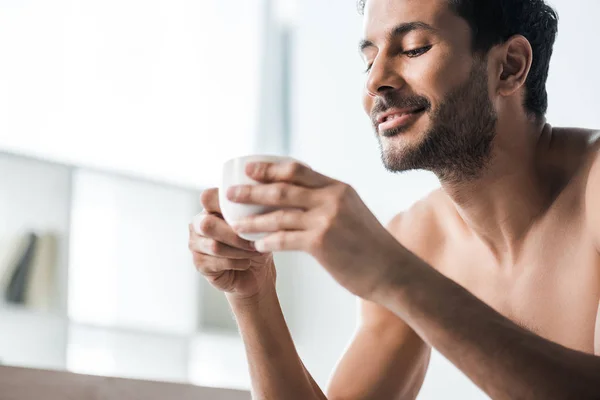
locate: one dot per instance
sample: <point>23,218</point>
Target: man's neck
<point>502,204</point>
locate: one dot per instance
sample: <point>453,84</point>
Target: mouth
<point>395,119</point>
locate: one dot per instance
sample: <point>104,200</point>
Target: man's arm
<point>386,360</point>
<point>276,370</point>
<point>502,358</point>
<point>505,360</point>
<point>397,357</point>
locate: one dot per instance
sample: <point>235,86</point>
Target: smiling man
<point>499,270</point>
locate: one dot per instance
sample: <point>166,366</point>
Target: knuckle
<point>200,262</point>
<point>245,192</point>
<point>291,170</point>
<point>214,247</point>
<point>339,197</point>
<point>279,217</point>
<point>331,209</point>
<point>317,241</point>
<point>278,192</point>
<point>343,191</point>
<point>261,170</point>
<point>324,221</point>
<point>208,225</point>
<point>279,241</point>
<point>208,196</point>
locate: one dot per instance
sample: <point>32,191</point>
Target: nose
<point>383,77</point>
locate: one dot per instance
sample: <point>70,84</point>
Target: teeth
<point>394,116</point>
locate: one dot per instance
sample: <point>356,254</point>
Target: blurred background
<point>115,115</point>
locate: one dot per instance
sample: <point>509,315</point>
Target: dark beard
<point>459,144</point>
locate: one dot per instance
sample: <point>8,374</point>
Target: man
<point>499,270</point>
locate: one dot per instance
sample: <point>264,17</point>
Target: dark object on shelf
<point>15,292</point>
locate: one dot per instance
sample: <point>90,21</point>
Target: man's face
<point>426,92</point>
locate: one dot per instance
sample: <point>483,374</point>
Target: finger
<point>208,265</point>
<point>281,220</point>
<point>215,227</point>
<point>290,172</point>
<point>212,247</point>
<point>274,195</point>
<point>210,200</point>
<point>283,241</point>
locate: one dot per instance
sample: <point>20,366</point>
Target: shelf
<point>212,357</point>
<point>218,359</point>
<point>127,353</point>
<point>31,338</point>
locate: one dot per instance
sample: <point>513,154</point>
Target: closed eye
<point>417,52</point>
<point>409,53</point>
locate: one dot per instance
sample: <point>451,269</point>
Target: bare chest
<point>553,290</point>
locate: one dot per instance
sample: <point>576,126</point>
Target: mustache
<point>386,102</point>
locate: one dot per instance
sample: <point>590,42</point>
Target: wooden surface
<point>31,384</point>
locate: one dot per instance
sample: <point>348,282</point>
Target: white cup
<point>234,173</point>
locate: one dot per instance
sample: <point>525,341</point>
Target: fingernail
<point>196,223</point>
<point>251,168</point>
<point>233,192</point>
<point>260,246</point>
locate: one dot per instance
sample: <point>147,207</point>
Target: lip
<point>381,118</point>
<point>403,118</point>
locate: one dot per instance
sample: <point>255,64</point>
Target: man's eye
<point>369,66</point>
<point>417,52</point>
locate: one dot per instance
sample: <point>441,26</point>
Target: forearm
<point>505,360</point>
<point>275,368</point>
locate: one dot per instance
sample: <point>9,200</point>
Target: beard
<point>459,143</point>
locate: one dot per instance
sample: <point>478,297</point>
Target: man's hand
<point>323,217</point>
<point>229,263</point>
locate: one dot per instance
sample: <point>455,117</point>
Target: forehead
<point>381,16</point>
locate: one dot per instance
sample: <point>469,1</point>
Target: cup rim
<point>241,158</point>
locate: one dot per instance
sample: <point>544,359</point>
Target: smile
<point>397,119</point>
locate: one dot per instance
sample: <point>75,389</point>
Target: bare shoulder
<point>578,152</point>
<point>592,190</point>
<point>421,228</point>
<point>574,156</point>
<point>594,156</point>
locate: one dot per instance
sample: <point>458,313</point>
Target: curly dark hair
<point>493,22</point>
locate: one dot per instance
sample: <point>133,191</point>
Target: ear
<point>514,62</point>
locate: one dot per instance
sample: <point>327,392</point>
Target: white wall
<point>164,89</point>
<point>574,79</point>
<point>334,136</point>
<point>129,262</point>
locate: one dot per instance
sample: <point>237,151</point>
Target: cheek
<point>436,75</point>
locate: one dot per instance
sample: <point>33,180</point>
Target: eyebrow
<point>399,30</point>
